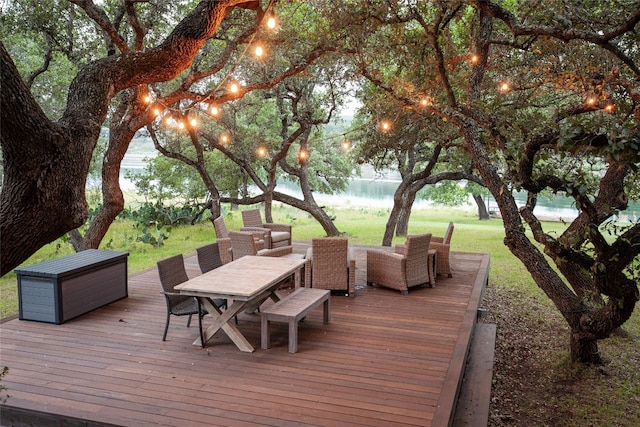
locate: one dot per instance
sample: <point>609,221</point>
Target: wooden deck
<point>384,360</point>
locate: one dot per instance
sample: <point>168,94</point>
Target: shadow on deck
<point>384,360</point>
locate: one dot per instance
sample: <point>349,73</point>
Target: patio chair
<point>442,245</point>
<point>209,259</point>
<point>402,269</point>
<point>243,243</point>
<point>333,266</point>
<point>172,273</point>
<point>275,235</point>
<point>224,243</point>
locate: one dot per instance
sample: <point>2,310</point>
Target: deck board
<point>384,360</point>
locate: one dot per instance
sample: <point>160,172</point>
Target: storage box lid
<point>71,264</point>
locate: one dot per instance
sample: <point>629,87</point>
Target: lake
<point>376,191</point>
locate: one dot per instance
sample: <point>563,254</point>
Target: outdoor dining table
<point>248,282</point>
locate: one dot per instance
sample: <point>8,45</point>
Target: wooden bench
<point>291,310</point>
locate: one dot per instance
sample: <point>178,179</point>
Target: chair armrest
<point>283,250</point>
<point>278,227</point>
<point>257,230</point>
<point>401,248</point>
<point>171,294</point>
<point>435,239</point>
<point>224,246</point>
<point>444,247</point>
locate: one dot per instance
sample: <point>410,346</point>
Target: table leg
<point>431,266</point>
<point>223,321</point>
<point>298,274</point>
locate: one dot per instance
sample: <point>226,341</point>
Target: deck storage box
<point>58,290</point>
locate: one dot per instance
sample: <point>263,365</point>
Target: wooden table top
<point>243,278</point>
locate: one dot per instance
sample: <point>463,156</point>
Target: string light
<point>385,126</point>
<point>474,58</point>
<point>591,100</point>
<point>224,139</point>
<point>271,22</point>
<point>426,102</point>
<point>193,121</point>
<point>262,151</point>
<point>609,108</point>
<point>234,87</point>
<point>346,144</point>
<point>505,87</point>
<point>303,156</point>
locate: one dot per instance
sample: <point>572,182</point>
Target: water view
<point>377,191</point>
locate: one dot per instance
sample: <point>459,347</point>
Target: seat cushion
<point>279,236</point>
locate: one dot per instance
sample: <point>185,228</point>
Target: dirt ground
<point>534,383</point>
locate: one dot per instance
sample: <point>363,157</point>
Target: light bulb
<point>271,22</point>
<point>214,110</point>
<point>259,51</point>
<point>234,88</point>
<point>261,151</point>
<point>504,87</point>
<point>385,125</point>
<point>609,108</point>
<point>194,122</point>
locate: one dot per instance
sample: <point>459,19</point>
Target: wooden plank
<point>384,360</point>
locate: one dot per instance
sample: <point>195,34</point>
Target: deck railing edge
<point>445,410</point>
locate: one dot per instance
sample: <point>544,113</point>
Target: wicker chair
<point>209,259</point>
<point>172,273</point>
<point>275,235</point>
<point>243,243</point>
<point>327,255</point>
<point>402,269</point>
<point>442,245</point>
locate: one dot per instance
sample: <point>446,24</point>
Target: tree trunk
<point>45,170</point>
<point>402,227</point>
<point>584,350</point>
<point>121,132</point>
<point>483,213</point>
